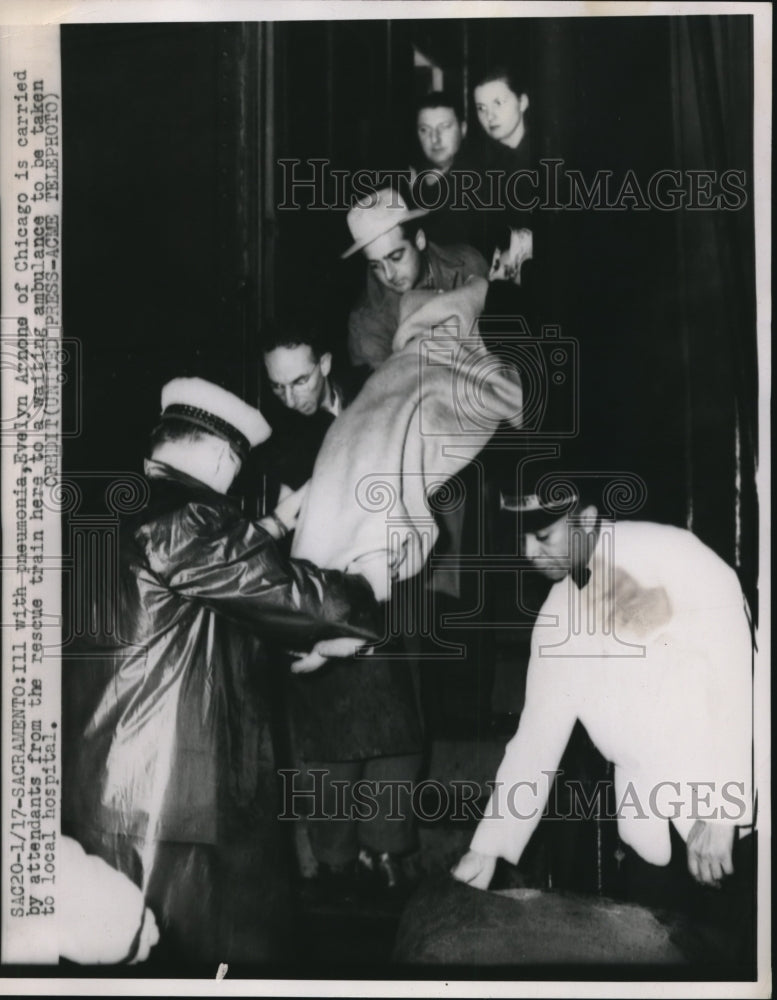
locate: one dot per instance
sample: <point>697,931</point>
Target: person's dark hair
<point>509,76</point>
<point>440,99</point>
<point>295,332</point>
<point>409,229</point>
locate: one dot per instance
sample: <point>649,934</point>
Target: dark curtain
<point>712,93</point>
<point>161,226</point>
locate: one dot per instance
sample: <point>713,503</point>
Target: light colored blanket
<point>420,418</point>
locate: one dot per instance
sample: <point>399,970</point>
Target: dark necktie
<point>581,575</point>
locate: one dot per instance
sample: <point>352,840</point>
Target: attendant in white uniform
<point>645,639</point>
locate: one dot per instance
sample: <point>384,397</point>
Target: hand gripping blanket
<point>420,418</point>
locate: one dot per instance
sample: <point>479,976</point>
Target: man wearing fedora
<point>170,775</point>
<point>399,258</point>
<point>645,639</point>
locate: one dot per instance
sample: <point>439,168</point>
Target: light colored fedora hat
<point>377,214</point>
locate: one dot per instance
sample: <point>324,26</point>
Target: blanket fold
<point>426,412</point>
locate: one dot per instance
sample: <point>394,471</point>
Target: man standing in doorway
<point>438,172</point>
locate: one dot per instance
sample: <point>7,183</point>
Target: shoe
<point>383,877</point>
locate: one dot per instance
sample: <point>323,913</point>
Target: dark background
<point>175,254</point>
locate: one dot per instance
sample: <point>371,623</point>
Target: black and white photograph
<point>385,498</point>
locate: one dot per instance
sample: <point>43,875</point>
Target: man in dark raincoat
<point>169,772</point>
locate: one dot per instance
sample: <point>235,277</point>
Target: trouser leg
<point>257,919</point>
<point>184,892</point>
<point>333,833</point>
<point>392,829</point>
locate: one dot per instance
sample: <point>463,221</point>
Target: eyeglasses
<point>298,383</point>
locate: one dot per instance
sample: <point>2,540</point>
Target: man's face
<point>297,378</point>
<point>440,134</point>
<point>395,261</point>
<point>548,549</point>
<point>555,548</point>
<point>500,111</point>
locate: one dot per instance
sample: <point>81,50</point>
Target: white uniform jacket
<point>654,656</point>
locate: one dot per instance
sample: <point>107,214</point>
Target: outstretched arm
<point>525,775</point>
<point>234,566</point>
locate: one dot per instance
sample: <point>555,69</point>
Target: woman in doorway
<point>501,103</point>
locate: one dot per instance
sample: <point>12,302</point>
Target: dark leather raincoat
<point>168,741</point>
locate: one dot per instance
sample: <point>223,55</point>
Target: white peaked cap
<point>216,410</point>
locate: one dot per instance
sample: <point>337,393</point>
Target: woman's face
<point>500,111</point>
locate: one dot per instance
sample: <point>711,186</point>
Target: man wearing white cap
<point>645,639</point>
<point>399,258</point>
<point>170,777</point>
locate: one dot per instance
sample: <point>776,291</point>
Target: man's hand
<point>710,845</point>
<point>506,265</point>
<point>475,869</point>
<point>284,518</point>
<point>288,508</point>
<point>324,650</point>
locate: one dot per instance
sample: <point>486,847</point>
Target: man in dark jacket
<point>352,721</point>
<point>308,396</point>
<point>170,775</point>
<point>439,171</point>
<point>399,257</point>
